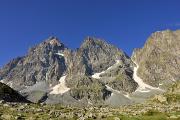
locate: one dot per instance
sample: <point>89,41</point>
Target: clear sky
<point>124,23</point>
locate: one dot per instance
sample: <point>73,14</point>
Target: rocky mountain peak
<point>52,44</point>
<point>92,42</point>
<point>43,62</point>
<point>52,40</point>
<point>97,72</point>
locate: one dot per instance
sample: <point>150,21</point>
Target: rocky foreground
<point>58,112</point>
<point>161,107</point>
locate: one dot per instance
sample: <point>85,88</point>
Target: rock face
<point>97,73</point>
<point>42,63</point>
<point>40,68</point>
<point>9,95</point>
<point>95,56</point>
<point>159,59</point>
<point>41,71</point>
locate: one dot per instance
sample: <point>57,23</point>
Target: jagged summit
<point>93,42</point>
<point>96,73</point>
<point>53,40</point>
<point>50,45</point>
<point>43,68</point>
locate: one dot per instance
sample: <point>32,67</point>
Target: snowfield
<point>61,87</point>
<point>97,76</point>
<point>143,87</point>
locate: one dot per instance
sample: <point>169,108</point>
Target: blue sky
<point>124,23</point>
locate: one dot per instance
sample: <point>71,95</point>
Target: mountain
<point>52,73</point>
<point>97,73</point>
<point>7,94</point>
<point>96,56</point>
<point>36,71</point>
<point>159,59</point>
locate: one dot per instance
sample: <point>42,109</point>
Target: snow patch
<point>160,84</point>
<point>10,84</point>
<point>112,94</point>
<point>116,91</point>
<point>90,103</point>
<point>111,89</point>
<point>61,54</point>
<point>173,80</point>
<point>46,77</point>
<point>2,81</point>
<point>127,95</point>
<point>117,62</point>
<point>143,87</point>
<point>97,75</point>
<point>60,88</point>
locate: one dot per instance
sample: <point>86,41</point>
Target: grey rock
<point>34,74</point>
<point>37,96</point>
<point>158,60</point>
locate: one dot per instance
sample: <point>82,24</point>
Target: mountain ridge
<point>95,73</point>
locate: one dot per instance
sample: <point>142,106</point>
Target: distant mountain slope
<point>159,59</point>
<point>51,70</point>
<point>97,73</point>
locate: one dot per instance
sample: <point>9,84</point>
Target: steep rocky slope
<point>97,73</point>
<point>34,74</point>
<point>159,59</point>
<point>42,63</point>
<point>95,56</point>
<point>52,73</point>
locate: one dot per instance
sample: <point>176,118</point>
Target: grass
<point>12,112</point>
<point>30,111</point>
<point>172,97</point>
